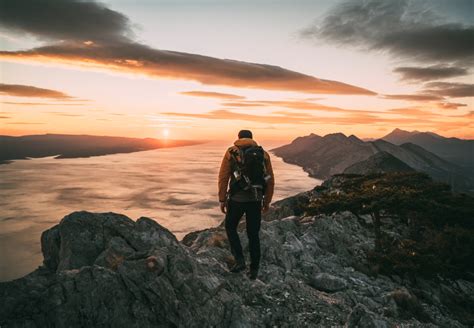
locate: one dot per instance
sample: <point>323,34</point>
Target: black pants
<point>253,216</point>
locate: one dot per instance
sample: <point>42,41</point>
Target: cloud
<point>298,118</point>
<point>294,114</point>
<point>174,201</point>
<point>64,20</point>
<point>450,89</point>
<point>465,122</point>
<point>469,115</point>
<point>209,94</point>
<point>88,34</point>
<point>311,106</point>
<point>4,117</point>
<point>396,27</point>
<point>415,97</point>
<point>18,90</point>
<point>130,57</point>
<point>430,73</point>
<point>40,104</point>
<point>293,104</point>
<point>223,114</point>
<point>24,123</point>
<point>64,114</point>
<point>305,105</point>
<point>437,91</point>
<point>243,104</point>
<point>413,111</point>
<point>409,117</point>
<point>450,105</point>
<point>450,42</point>
<point>206,204</point>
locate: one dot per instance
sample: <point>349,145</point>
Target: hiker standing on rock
<point>248,168</point>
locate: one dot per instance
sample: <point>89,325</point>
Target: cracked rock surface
<point>104,270</point>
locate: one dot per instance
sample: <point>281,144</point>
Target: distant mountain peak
<point>397,130</point>
<point>354,138</point>
<point>455,150</point>
<point>338,136</point>
<point>401,133</point>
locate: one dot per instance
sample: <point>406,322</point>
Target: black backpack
<point>248,168</point>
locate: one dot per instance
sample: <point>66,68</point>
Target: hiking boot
<point>238,266</point>
<point>252,273</point>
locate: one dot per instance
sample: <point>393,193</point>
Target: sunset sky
<point>205,69</point>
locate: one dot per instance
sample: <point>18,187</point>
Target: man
<point>249,192</point>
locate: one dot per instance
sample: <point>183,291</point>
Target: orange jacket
<point>225,171</point>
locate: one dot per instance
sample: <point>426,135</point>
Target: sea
<point>177,187</point>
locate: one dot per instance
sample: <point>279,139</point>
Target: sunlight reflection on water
<point>176,186</point>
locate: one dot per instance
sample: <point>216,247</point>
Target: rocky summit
<point>106,270</point>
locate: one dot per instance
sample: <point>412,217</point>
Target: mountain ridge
<point>76,146</point>
<point>331,154</point>
<point>381,162</point>
<point>456,150</point>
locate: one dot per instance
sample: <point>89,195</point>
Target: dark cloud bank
<point>88,33</point>
<point>398,27</point>
<point>450,89</point>
<point>408,30</point>
<point>64,20</point>
<point>430,73</point>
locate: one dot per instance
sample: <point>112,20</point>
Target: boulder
<point>328,282</point>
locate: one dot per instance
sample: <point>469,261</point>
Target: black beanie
<point>245,134</point>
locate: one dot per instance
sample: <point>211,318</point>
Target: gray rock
<point>104,269</point>
<point>328,283</point>
<point>116,272</point>
<point>360,317</point>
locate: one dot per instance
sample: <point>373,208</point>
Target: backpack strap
<point>236,156</point>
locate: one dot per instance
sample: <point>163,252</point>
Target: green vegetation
<point>434,227</point>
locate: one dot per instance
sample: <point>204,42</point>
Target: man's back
<point>245,197</point>
<point>225,174</point>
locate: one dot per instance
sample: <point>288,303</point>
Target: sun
<point>166,133</point>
